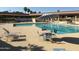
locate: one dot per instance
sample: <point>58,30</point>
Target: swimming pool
<point>61,29</point>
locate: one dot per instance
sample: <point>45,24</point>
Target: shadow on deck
<point>7,47</point>
<point>35,47</point>
<point>72,40</point>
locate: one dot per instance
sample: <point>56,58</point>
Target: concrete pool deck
<point>32,37</point>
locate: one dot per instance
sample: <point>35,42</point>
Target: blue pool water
<point>61,29</point>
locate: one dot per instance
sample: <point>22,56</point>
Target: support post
<point>33,20</point>
<point>75,18</point>
<point>58,18</point>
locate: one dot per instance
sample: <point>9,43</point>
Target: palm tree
<point>35,12</point>
<point>28,10</point>
<point>58,10</point>
<point>25,9</point>
<point>39,12</point>
<point>31,12</point>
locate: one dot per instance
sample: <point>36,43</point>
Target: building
<point>72,16</point>
<point>12,17</point>
<point>69,16</point>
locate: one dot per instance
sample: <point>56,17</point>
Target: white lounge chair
<point>14,35</point>
<point>20,37</point>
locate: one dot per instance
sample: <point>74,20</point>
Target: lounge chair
<point>59,49</point>
<point>19,37</point>
<point>48,36</point>
<point>8,33</point>
<point>14,35</point>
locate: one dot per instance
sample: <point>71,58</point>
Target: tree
<point>39,12</point>
<point>34,12</point>
<point>5,12</point>
<point>17,12</point>
<point>31,12</point>
<point>28,10</point>
<point>25,9</point>
<point>58,10</point>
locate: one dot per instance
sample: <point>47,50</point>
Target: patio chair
<point>8,33</point>
<point>48,36</point>
<point>19,37</point>
<point>14,35</point>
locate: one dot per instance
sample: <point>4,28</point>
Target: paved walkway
<point>32,37</point>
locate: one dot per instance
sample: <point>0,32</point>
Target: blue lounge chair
<point>59,49</point>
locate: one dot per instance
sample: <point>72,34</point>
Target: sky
<point>37,9</point>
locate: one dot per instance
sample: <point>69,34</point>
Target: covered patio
<point>68,16</point>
